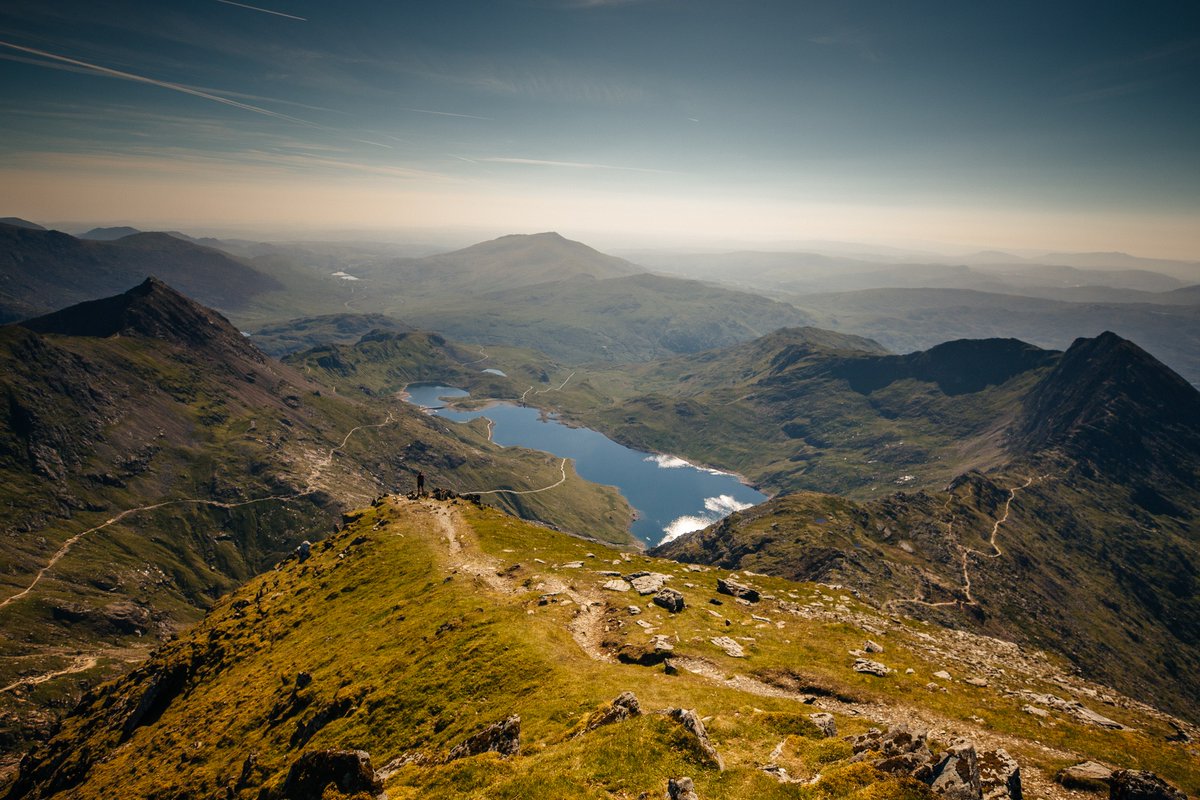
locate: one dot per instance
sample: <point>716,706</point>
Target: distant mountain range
<point>44,270</point>
<point>917,319</point>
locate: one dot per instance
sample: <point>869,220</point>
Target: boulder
<point>647,582</point>
<point>669,599</point>
<point>872,647</point>
<point>625,706</point>
<point>681,789</point>
<point>502,737</point>
<point>1087,775</point>
<point>897,752</point>
<point>646,655</point>
<point>349,770</point>
<point>739,590</point>
<point>999,775</point>
<point>692,723</point>
<point>617,585</point>
<point>661,643</point>
<point>730,647</point>
<point>1131,784</point>
<point>869,667</point>
<point>956,775</point>
<point>898,739</point>
<point>825,722</point>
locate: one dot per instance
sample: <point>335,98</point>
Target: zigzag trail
<point>966,552</point>
<point>311,489</point>
<point>558,388</point>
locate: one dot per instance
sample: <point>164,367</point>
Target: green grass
<point>417,658</point>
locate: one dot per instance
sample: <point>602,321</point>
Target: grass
<point>406,655</point>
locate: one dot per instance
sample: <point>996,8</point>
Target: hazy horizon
<point>621,123</point>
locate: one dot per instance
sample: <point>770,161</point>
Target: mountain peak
<point>108,234</point>
<point>1109,401</point>
<point>17,222</point>
<point>152,309</point>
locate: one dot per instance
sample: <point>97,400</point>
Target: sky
<point>1055,126</point>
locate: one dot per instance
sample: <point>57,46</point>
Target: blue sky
<point>1002,124</point>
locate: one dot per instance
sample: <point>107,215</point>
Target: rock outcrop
<point>960,773</point>
<point>1130,784</point>
<point>692,723</point>
<point>999,775</point>
<point>349,770</point>
<point>956,775</point>
<point>625,706</point>
<point>502,737</point>
<point>869,667</point>
<point>825,723</point>
<point>681,789</point>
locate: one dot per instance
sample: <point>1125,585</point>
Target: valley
<point>959,507</point>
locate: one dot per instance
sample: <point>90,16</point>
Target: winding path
<point>562,468</point>
<point>313,477</point>
<point>966,552</point>
<point>558,388</point>
<point>80,664</point>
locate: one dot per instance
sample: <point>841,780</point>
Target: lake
<point>671,496</point>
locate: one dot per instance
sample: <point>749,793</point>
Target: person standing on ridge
<point>420,484</point>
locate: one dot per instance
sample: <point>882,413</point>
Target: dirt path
<point>314,475</point>
<point>558,388</point>
<point>80,664</point>
<point>587,628</point>
<point>463,555</point>
<point>478,360</point>
<point>562,468</point>
<point>965,552</point>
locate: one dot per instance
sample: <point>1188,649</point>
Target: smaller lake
<point>671,496</point>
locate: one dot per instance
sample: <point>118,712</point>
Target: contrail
<point>445,113</point>
<point>129,76</point>
<point>263,10</point>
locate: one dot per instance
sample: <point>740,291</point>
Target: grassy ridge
<point>413,643</point>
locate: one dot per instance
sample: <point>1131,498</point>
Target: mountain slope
<point>17,222</point>
<point>151,459</point>
<point>1096,498</point>
<point>46,270</point>
<point>109,234</point>
<point>504,263</point>
<point>632,318</point>
<point>421,624</point>
<point>290,336</point>
<point>817,410</point>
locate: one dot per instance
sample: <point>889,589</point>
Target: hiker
<point>420,484</point>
